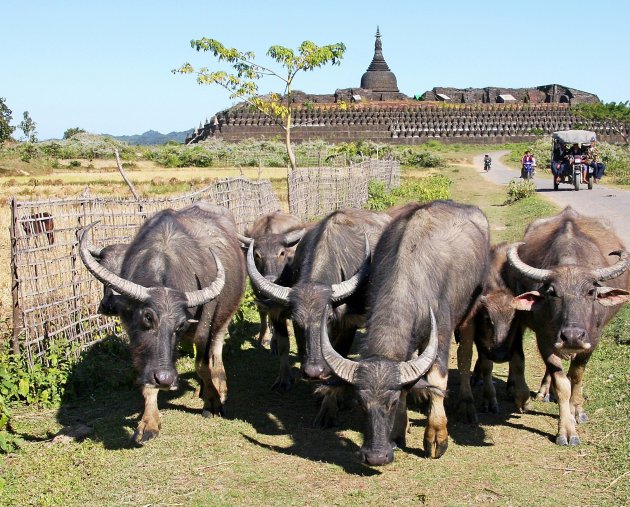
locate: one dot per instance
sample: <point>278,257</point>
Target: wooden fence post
<point>18,324</point>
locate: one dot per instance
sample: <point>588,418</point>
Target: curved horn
<point>341,366</point>
<point>207,294</point>
<point>105,276</point>
<point>275,292</point>
<point>345,289</point>
<point>411,371</point>
<point>538,275</point>
<point>291,238</point>
<point>616,269</point>
<point>244,239</point>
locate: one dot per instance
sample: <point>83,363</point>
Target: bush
<point>519,189</point>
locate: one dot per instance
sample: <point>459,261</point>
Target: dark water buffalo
<point>498,337</point>
<point>111,258</point>
<point>40,223</point>
<point>275,236</point>
<point>562,265</point>
<point>183,276</point>
<point>431,258</point>
<point>329,267</point>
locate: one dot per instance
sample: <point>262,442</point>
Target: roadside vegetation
<point>65,428</point>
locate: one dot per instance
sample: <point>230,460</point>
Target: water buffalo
<point>330,265</point>
<point>111,258</point>
<point>431,258</point>
<point>561,265</point>
<point>40,223</point>
<point>275,236</point>
<point>183,276</point>
<point>498,336</point>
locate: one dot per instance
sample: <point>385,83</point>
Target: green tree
<point>29,127</point>
<point>72,131</point>
<point>615,114</point>
<point>243,82</point>
<point>5,121</point>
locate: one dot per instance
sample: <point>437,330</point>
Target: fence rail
<point>55,298</point>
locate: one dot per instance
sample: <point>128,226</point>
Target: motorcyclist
<point>527,164</point>
<point>487,162</point>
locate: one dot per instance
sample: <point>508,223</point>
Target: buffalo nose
<point>164,378</point>
<point>378,459</point>
<point>572,334</point>
<point>313,370</point>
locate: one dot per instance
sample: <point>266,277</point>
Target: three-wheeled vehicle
<point>569,163</point>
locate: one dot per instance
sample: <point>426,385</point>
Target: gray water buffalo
<point>330,266</point>
<point>183,276</point>
<point>111,258</point>
<point>431,258</point>
<point>498,336</point>
<point>274,236</point>
<point>562,264</point>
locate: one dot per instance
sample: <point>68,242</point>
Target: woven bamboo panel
<point>54,297</point>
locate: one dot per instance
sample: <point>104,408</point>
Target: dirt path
<point>602,201</point>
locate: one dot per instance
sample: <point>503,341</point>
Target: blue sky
<point>105,66</point>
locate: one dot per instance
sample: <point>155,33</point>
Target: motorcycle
<point>527,173</point>
<point>486,164</point>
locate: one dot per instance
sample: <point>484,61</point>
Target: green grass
<point>266,453</point>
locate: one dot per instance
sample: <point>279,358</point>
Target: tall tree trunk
<point>287,139</point>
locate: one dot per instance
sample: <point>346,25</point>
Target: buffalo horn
<point>244,239</point>
<point>345,289</point>
<point>268,289</point>
<point>411,371</point>
<point>291,238</point>
<point>207,294</point>
<point>616,269</point>
<point>105,276</point>
<point>536,274</point>
<point>341,366</point>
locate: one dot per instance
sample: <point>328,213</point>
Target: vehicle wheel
<point>576,183</point>
<point>590,182</point>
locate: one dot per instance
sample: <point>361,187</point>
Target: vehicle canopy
<point>574,136</point>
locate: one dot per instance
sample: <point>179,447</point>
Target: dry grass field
<point>265,451</point>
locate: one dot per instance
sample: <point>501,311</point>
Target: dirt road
<point>602,201</point>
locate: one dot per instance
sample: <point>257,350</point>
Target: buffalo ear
<point>610,296</point>
<point>527,300</point>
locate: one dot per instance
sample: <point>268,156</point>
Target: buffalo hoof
<point>213,412</point>
<point>467,412</point>
<point>572,441</point>
<point>581,418</point>
<point>139,438</point>
<point>283,384</point>
<point>490,406</point>
<point>265,343</point>
<point>434,449</point>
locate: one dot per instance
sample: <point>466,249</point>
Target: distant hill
<point>153,137</point>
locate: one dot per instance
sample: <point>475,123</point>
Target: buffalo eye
<point>592,292</point>
<point>551,292</point>
<point>148,319</point>
<point>281,254</point>
<point>181,327</point>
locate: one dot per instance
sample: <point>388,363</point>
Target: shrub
<point>518,190</point>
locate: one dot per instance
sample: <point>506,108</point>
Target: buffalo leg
<point>401,422</point>
<point>209,367</point>
<point>284,381</point>
<point>149,426</point>
<point>576,374</point>
<point>519,387</point>
<point>567,434</point>
<point>489,403</point>
<point>544,392</point>
<point>467,412</point>
<point>436,433</point>
<point>264,335</point>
